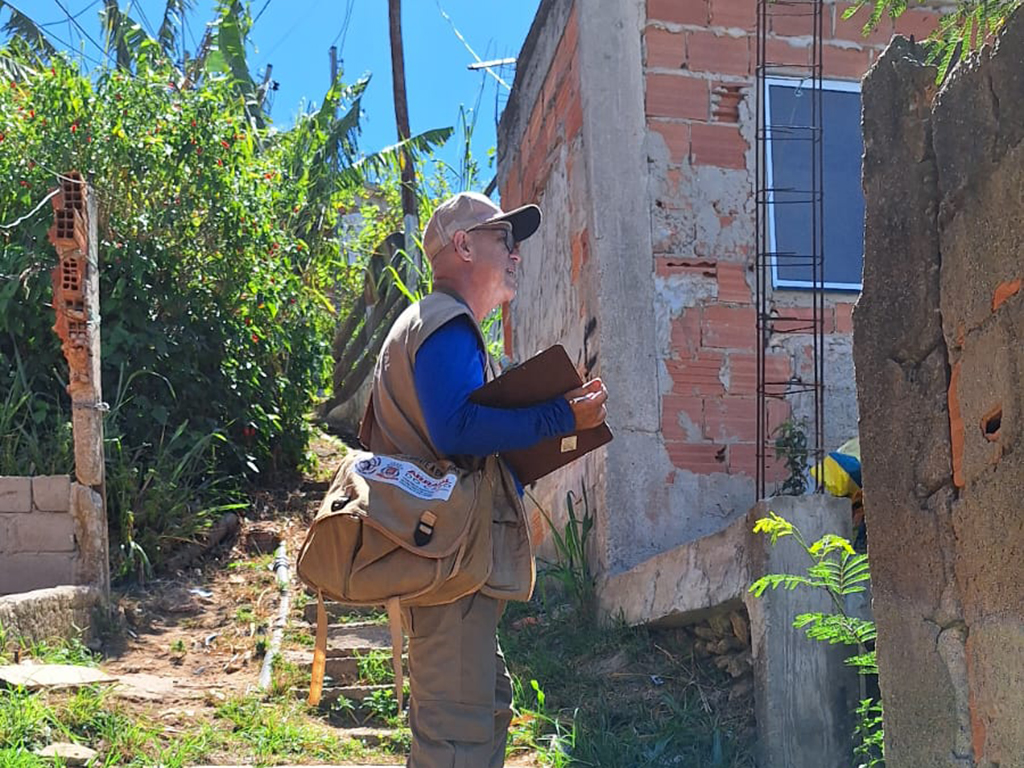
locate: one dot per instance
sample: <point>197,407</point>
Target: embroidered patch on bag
<point>408,477</point>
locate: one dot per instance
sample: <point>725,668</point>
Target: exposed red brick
<point>845,63</point>
<point>677,96</point>
<point>721,54</point>
<point>685,331</point>
<point>743,461</point>
<point>918,23</point>
<point>729,327</point>
<point>678,11</point>
<point>732,283</point>
<point>730,419</point>
<point>664,48</point>
<point>781,53</point>
<point>844,317</point>
<point>852,28</point>
<point>742,371</point>
<point>563,102</point>
<point>701,458</point>
<point>801,320</point>
<point>691,409</point>
<point>795,20</point>
<point>740,14</point>
<point>677,138</point>
<point>664,266</point>
<point>574,116</point>
<point>698,375</point>
<point>718,145</point>
<point>580,253</point>
<point>1004,291</point>
<point>725,102</point>
<point>956,427</point>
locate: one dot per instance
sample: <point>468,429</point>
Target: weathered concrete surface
<point>15,494</point>
<point>903,379</point>
<point>45,614</point>
<point>803,691</point>
<point>93,563</point>
<point>939,360</point>
<point>676,586</point>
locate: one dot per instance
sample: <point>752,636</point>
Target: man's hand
<point>588,404</point>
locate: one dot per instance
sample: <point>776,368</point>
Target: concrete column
<point>804,695</point>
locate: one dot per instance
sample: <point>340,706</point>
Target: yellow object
<point>840,471</point>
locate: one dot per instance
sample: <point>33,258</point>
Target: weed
<point>791,447</point>
<point>72,651</point>
<point>245,614</point>
<point>572,568</point>
<point>178,647</point>
<point>381,705</point>
<point>374,668</point>
<point>344,708</point>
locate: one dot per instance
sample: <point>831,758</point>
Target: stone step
<point>337,611</point>
<point>342,670</point>
<point>354,693</point>
<point>348,640</point>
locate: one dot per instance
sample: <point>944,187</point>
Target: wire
<point>29,215</point>
<point>458,34</point>
<point>257,17</point>
<point>142,15</point>
<point>343,32</point>
<point>63,21</point>
<point>81,29</point>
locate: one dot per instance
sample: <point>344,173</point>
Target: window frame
<point>847,86</point>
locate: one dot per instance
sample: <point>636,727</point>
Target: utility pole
<point>410,218</point>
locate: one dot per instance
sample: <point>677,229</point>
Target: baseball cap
<point>471,210</point>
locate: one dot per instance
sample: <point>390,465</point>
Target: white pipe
<point>283,574</point>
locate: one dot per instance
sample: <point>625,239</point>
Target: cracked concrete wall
<point>939,360</point>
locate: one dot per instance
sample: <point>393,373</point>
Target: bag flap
<point>423,506</point>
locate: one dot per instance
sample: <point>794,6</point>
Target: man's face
<point>497,261</point>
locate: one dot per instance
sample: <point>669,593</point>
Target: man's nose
<point>514,254</point>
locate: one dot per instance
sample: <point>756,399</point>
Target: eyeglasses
<point>508,238</point>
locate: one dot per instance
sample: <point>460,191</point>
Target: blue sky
<point>295,35</point>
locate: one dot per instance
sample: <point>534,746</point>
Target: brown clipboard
<point>541,378</point>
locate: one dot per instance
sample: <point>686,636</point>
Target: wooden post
<point>410,215</point>
<point>77,307</point>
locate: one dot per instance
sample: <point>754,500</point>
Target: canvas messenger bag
<point>398,531</point>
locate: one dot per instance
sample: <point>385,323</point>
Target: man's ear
<point>461,242</point>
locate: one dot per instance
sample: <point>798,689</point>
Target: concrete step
<point>342,670</point>
<point>350,639</point>
<point>338,612</point>
<point>354,693</point>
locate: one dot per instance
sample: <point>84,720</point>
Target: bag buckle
<point>425,529</point>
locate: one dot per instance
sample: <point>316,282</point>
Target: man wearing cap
<point>433,358</point>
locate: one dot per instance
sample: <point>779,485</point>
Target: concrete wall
<point>939,363</point>
<point>631,123</point>
<point>38,546</point>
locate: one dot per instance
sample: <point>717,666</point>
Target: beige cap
<point>470,210</point>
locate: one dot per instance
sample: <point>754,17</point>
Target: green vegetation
<point>222,276</point>
<point>837,570</point>
<point>960,32</point>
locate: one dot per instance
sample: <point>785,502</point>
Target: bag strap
<point>395,620</point>
<point>367,424</point>
<point>316,684</point>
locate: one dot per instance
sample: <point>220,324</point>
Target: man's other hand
<point>588,404</point>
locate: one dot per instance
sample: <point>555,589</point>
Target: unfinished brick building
<point>632,124</point>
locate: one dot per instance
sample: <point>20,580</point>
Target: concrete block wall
<point>939,375</point>
<point>38,546</point>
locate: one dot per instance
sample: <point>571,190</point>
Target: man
<point>433,358</point>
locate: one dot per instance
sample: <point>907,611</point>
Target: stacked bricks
<point>37,533</point>
<point>699,66</point>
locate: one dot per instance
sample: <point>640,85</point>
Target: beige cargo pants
<point>461,694</point>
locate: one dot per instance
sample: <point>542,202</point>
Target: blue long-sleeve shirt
<point>449,365</point>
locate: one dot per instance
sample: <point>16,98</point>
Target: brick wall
<point>37,533</point>
<point>699,60</point>
<point>555,299</point>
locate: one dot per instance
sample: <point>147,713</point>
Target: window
<point>789,176</point>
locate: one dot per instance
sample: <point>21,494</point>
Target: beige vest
<point>398,427</point>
